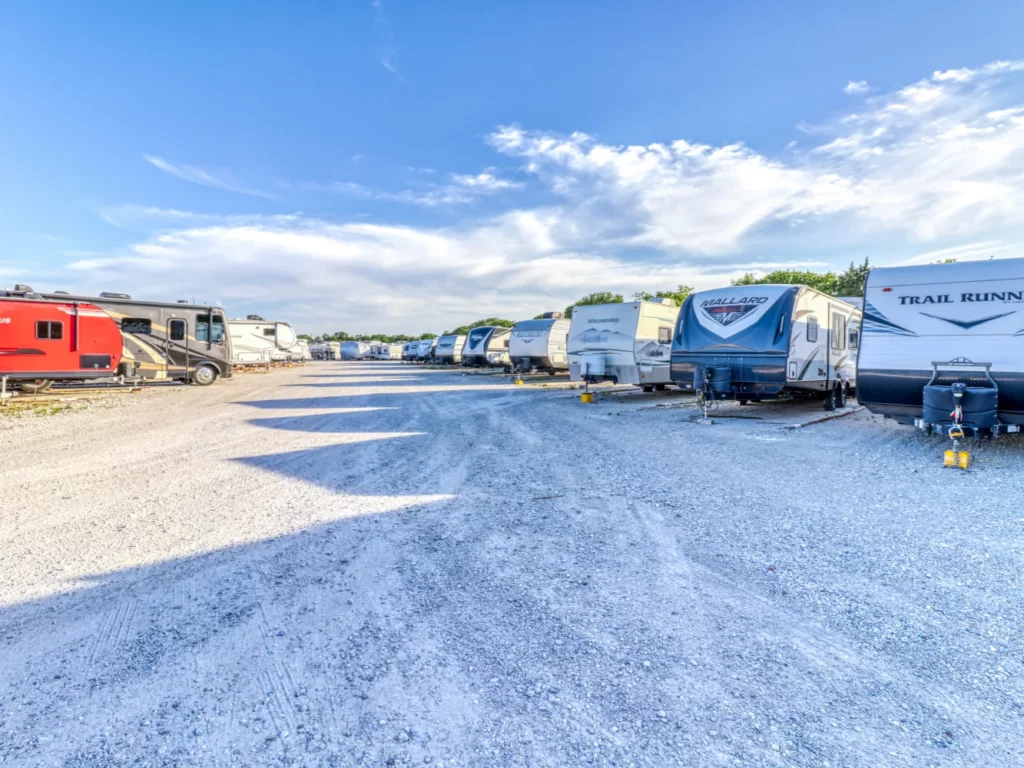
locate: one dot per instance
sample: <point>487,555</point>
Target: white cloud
<point>207,178</point>
<point>938,162</point>
<point>856,86</point>
<point>460,189</point>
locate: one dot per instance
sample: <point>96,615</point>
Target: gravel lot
<point>373,564</point>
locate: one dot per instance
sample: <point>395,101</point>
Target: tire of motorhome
<point>35,386</point>
<point>204,375</point>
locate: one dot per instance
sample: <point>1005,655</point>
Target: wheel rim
<point>204,375</point>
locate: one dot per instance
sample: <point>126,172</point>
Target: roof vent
<point>61,293</point>
<point>22,288</point>
<point>253,317</point>
<point>664,302</point>
<point>183,301</point>
<point>109,295</point>
<point>552,316</point>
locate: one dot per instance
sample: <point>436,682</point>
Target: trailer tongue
<point>960,409</point>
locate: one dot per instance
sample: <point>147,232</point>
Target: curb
<point>826,417</point>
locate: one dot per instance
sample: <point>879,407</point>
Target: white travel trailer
<point>449,349</point>
<point>755,342</point>
<point>355,350</point>
<point>961,322</point>
<point>382,351</point>
<point>487,345</point>
<point>304,351</point>
<point>333,351</point>
<point>410,350</point>
<point>425,349</point>
<point>255,340</point>
<point>540,345</point>
<point>318,351</point>
<point>628,343</point>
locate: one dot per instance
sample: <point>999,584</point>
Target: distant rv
<point>954,321</point>
<point>382,351</point>
<point>540,345</point>
<point>626,343</point>
<point>255,340</point>
<point>425,350</point>
<point>449,349</point>
<point>163,341</point>
<point>355,350</point>
<point>43,341</point>
<point>304,351</point>
<point>754,342</point>
<point>487,345</point>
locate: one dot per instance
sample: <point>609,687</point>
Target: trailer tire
<point>743,401</point>
<point>35,386</point>
<point>647,387</point>
<point>843,394</point>
<point>660,387</point>
<point>204,375</point>
<point>832,398</point>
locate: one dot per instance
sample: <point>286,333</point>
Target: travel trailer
<point>355,350</point>
<point>255,340</point>
<point>627,343</point>
<point>332,350</point>
<point>382,351</point>
<point>46,341</point>
<point>163,341</point>
<point>486,345</point>
<point>755,342</point>
<point>409,350</point>
<point>425,350</point>
<point>961,322</point>
<point>540,345</point>
<point>449,349</point>
<point>303,351</point>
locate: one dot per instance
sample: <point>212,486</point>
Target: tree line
<point>849,282</point>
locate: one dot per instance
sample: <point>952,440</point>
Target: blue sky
<point>409,166</point>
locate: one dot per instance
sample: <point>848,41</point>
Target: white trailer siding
<point>628,343</point>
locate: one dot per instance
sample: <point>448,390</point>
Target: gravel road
<point>371,564</point>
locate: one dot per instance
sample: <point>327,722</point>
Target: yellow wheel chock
<point>587,397</point>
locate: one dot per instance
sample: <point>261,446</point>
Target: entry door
<point>176,345</point>
<point>837,352</point>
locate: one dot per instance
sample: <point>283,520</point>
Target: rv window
<point>137,325</point>
<point>838,331</point>
<point>176,330</point>
<point>48,329</point>
<point>854,338</point>
<point>203,328</point>
<point>664,335</point>
<point>812,329</point>
<point>270,331</point>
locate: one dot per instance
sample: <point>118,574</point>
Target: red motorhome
<point>42,341</point>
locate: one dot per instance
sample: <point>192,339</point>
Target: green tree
<point>826,283</point>
<point>462,330</point>
<point>851,282</point>
<point>678,295</point>
<point>601,297</point>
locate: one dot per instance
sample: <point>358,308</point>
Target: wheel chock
<point>957,459</point>
<point>587,397</point>
<point>519,382</point>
